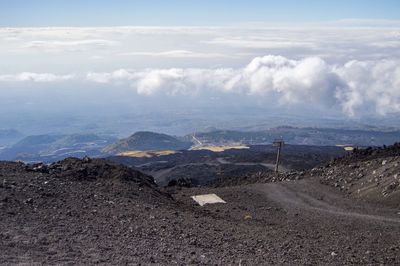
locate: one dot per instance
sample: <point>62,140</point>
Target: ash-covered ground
<point>95,211</point>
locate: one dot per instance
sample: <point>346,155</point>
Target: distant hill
<point>147,141</point>
<point>301,136</point>
<point>9,136</point>
<point>55,147</point>
<point>9,133</point>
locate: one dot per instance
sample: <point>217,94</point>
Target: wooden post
<point>279,143</point>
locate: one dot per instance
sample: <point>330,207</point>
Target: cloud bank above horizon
<point>354,70</point>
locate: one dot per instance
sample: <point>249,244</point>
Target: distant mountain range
<point>49,148</point>
<point>144,141</point>
<point>8,136</point>
<point>301,136</point>
<point>55,147</point>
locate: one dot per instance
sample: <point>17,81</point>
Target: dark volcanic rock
<point>91,211</point>
<point>260,177</point>
<point>371,174</point>
<point>92,169</point>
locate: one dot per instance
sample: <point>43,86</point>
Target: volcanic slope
<point>371,174</point>
<point>93,211</point>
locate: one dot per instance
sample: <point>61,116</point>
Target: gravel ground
<point>96,212</point>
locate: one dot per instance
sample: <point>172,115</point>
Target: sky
<point>22,13</point>
<point>324,58</point>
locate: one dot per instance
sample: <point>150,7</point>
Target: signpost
<point>278,143</point>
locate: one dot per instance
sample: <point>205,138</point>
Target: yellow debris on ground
<point>248,217</point>
<point>220,148</point>
<point>147,154</point>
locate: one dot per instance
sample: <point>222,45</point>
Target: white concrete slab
<point>207,199</point>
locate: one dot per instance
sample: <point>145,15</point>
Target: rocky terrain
<point>371,174</point>
<point>86,211</point>
<point>201,167</point>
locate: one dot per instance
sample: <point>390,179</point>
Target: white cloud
<point>151,82</point>
<point>307,80</point>
<point>354,87</point>
<point>35,77</point>
<point>260,43</point>
<point>354,22</point>
<point>176,54</point>
<point>202,46</point>
<point>353,69</point>
<point>76,45</point>
<point>370,85</point>
<point>115,76</point>
<point>79,33</point>
<point>386,44</point>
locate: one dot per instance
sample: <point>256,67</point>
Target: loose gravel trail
<point>309,196</point>
<point>300,223</point>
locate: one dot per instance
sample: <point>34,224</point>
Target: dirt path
<point>308,196</point>
<point>300,223</point>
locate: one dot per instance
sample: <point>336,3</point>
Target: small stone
<point>86,159</point>
<point>248,217</point>
<point>333,254</point>
<point>29,201</point>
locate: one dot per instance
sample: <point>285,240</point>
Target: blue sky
<point>19,13</point>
